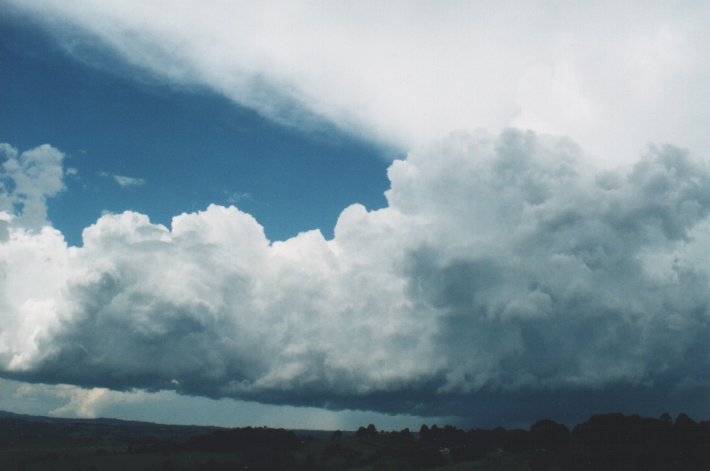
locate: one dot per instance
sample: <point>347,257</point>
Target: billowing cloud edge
<point>503,268</point>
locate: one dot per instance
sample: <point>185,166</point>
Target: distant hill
<point>39,418</point>
<point>21,428</point>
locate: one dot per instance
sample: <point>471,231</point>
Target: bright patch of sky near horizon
<point>482,272</point>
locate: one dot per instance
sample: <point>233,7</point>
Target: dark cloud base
<point>483,408</point>
<point>505,281</point>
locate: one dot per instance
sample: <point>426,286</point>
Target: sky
<point>326,214</point>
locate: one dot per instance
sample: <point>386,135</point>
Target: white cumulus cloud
<point>502,265</point>
<point>27,179</point>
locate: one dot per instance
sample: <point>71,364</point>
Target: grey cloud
<point>503,270</point>
<point>123,180</point>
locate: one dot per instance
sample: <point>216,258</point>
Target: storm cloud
<point>502,267</point>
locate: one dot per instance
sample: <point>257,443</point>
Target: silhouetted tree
<point>549,435</point>
<point>684,420</point>
<point>424,432</point>
<point>365,432</point>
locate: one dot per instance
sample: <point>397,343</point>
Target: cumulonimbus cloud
<point>501,265</point>
<point>611,75</point>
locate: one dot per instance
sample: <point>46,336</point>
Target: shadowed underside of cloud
<point>502,269</point>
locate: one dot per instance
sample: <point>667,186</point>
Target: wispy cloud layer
<point>612,75</point>
<point>502,265</point>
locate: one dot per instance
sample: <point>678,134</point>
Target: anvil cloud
<point>613,76</point>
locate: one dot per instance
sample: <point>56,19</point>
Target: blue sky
<point>190,146</point>
<point>185,147</point>
<point>320,215</point>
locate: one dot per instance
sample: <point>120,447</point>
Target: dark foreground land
<point>604,442</point>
